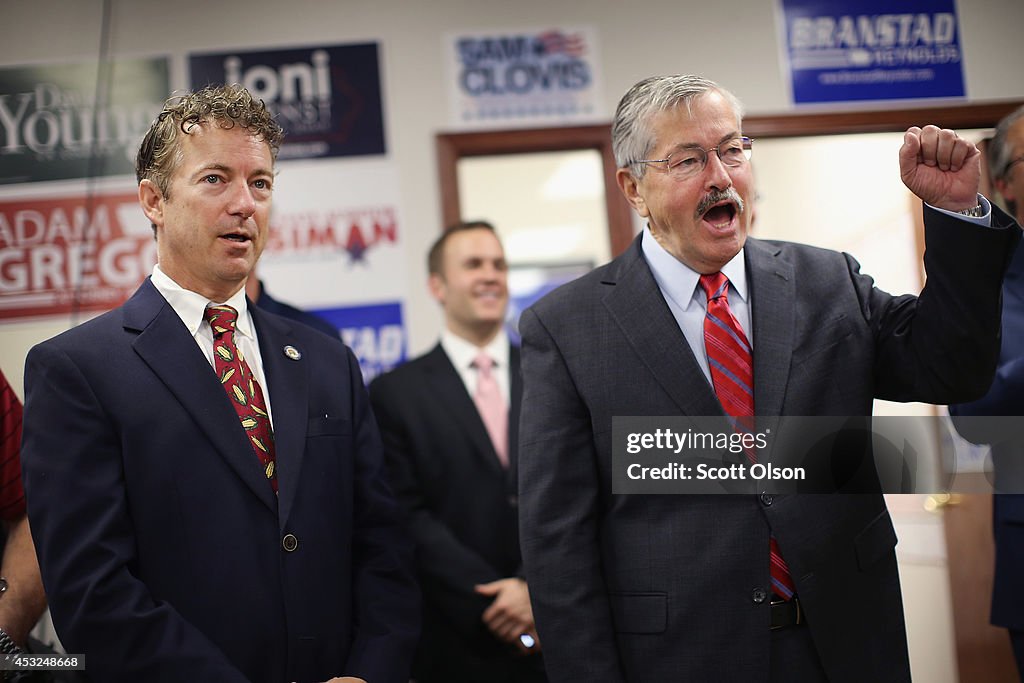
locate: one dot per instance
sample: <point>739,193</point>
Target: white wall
<point>635,40</point>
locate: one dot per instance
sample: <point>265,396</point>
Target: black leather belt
<point>786,613</point>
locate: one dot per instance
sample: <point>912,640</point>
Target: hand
<point>510,614</point>
<point>940,167</point>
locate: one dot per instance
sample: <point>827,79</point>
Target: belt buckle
<point>799,612</point>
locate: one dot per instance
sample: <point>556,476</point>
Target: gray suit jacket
<point>658,588</point>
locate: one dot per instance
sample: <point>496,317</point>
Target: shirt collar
<point>191,306</point>
<point>678,281</point>
<point>462,352</point>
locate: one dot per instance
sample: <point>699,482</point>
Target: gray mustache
<point>728,194</point>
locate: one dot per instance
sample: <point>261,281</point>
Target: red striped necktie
<point>242,388</point>
<point>732,373</point>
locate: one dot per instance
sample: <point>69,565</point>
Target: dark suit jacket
<point>272,305</point>
<point>658,588</point>
<point>462,511</point>
<point>1006,397</point>
<point>161,543</point>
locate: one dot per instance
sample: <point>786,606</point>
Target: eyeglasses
<point>692,160</point>
<point>1012,163</point>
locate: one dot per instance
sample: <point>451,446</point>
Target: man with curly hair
<point>204,478</point>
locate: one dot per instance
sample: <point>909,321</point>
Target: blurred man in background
<point>449,421</point>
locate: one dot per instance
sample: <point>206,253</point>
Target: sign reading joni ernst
<point>327,98</point>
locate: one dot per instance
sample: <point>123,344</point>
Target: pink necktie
<point>732,373</point>
<point>491,405</point>
<point>242,388</point>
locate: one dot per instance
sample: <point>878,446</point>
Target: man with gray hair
<point>205,479</point>
<point>1006,397</point>
<point>696,319</point>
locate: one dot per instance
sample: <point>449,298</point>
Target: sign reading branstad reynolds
<point>375,334</point>
<point>851,50</point>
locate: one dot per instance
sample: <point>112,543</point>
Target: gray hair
<point>632,138</point>
<point>998,151</point>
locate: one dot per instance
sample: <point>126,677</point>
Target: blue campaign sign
<point>375,333</point>
<point>327,98</point>
<point>855,50</point>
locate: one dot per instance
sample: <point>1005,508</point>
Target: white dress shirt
<point>462,354</point>
<point>191,308</point>
<point>680,286</point>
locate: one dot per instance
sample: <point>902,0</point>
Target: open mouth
<point>236,237</point>
<point>720,215</point>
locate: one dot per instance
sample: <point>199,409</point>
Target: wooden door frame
<point>453,146</point>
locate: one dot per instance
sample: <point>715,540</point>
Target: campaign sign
<point>327,98</point>
<point>527,284</point>
<point>71,254</point>
<point>373,332</point>
<point>851,50</point>
<point>524,77</point>
<point>53,127</point>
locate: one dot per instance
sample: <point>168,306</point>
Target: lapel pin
<point>292,352</point>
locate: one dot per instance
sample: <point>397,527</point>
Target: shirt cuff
<point>984,220</point>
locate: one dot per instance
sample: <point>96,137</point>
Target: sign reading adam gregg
<point>76,253</point>
<point>327,99</point>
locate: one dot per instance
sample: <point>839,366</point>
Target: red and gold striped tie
<point>242,388</point>
<point>732,373</point>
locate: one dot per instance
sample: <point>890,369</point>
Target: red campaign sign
<point>71,254</point>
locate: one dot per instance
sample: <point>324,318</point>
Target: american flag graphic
<point>556,42</point>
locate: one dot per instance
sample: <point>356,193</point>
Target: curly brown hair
<point>225,105</point>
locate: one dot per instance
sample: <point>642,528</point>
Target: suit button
<point>767,499</point>
<point>289,543</point>
<point>759,595</point>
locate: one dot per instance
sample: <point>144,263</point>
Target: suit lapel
<point>637,306</point>
<point>288,383</point>
<point>516,386</point>
<point>773,305</point>
<point>451,392</point>
<point>516,396</point>
<point>165,345</point>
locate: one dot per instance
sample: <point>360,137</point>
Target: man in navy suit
<point>1006,397</point>
<point>453,466</point>
<point>258,294</point>
<point>171,549</point>
<point>680,587</point>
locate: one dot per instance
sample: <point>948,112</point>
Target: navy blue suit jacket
<point>269,303</point>
<point>160,541</point>
<point>462,511</point>
<point>1006,397</point>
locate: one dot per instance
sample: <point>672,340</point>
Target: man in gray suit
<point>735,587</point>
